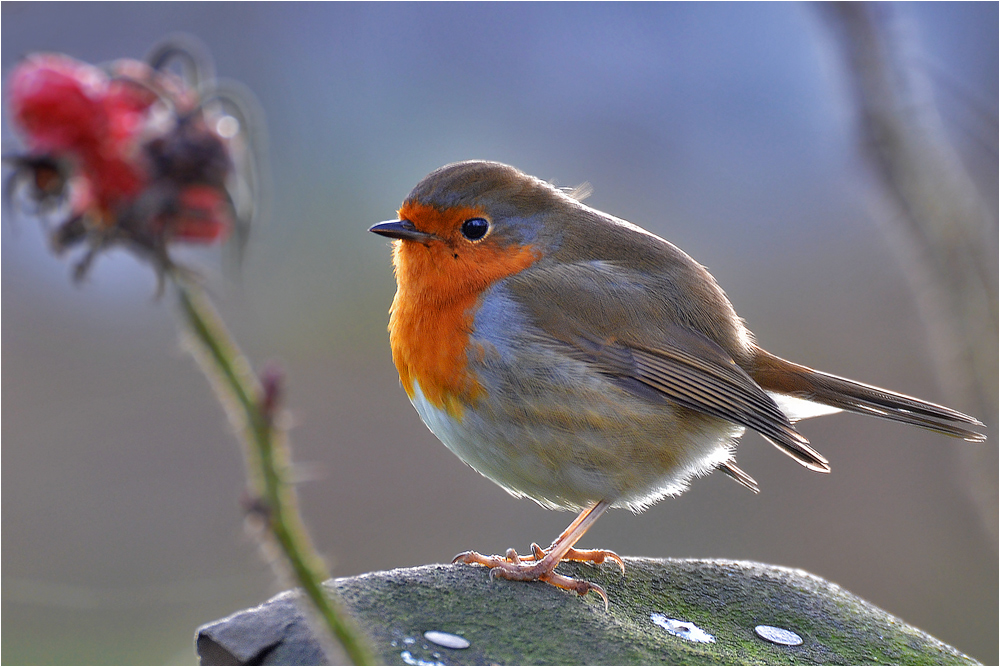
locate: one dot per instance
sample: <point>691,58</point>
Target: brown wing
<point>657,333</point>
<point>692,371</point>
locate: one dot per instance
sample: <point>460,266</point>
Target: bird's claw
<point>533,567</point>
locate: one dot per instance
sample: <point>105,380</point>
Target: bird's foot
<point>540,565</point>
<point>592,556</point>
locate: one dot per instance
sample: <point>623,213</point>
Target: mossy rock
<point>681,612</point>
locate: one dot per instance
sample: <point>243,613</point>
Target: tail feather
<point>783,377</point>
<point>735,472</point>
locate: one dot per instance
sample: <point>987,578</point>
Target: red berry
<point>58,103</point>
<point>204,215</point>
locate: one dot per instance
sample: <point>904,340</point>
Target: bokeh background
<point>723,127</point>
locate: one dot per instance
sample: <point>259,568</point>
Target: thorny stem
<point>251,409</point>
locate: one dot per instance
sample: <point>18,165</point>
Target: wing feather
<point>618,321</point>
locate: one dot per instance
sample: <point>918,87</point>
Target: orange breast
<point>438,288</point>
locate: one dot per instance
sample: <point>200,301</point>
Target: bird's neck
<point>432,318</point>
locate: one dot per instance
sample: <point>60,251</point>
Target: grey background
<point>722,127</point>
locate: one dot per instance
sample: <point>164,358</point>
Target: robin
<point>578,360</point>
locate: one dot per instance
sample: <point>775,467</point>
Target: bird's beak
<point>401,229</point>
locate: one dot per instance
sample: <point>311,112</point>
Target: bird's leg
<point>595,556</point>
<point>541,564</point>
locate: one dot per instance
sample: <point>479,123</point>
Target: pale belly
<point>607,448</point>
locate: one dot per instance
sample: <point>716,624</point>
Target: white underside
<point>797,409</point>
<point>530,471</point>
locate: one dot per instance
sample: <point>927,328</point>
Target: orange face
<point>439,283</point>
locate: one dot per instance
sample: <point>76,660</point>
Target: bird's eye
<point>475,228</point>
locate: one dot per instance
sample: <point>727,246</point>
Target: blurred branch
<point>253,408</point>
<point>932,209</point>
<point>132,156</point>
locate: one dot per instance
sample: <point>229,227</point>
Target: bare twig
<point>932,210</point>
<point>253,407</point>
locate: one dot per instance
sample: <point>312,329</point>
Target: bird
<point>583,362</point>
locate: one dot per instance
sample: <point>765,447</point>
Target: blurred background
<point>726,128</point>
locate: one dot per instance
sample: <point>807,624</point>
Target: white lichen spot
<point>682,629</point>
<point>778,635</point>
<point>446,639</point>
<point>409,659</point>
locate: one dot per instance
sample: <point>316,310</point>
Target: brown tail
<point>783,377</point>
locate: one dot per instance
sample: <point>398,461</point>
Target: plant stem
<point>251,408</point>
